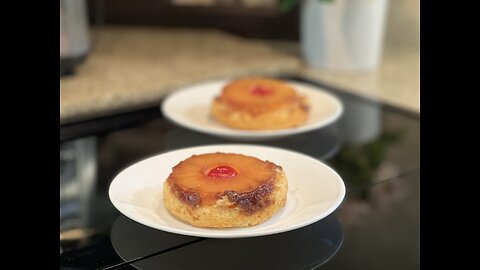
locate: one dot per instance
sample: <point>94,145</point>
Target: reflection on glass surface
<point>376,144</point>
<point>381,197</point>
<point>303,248</point>
<point>361,121</point>
<point>131,239</point>
<point>321,144</point>
<point>371,147</point>
<point>78,168</point>
<point>364,143</point>
<point>382,231</point>
<point>360,163</point>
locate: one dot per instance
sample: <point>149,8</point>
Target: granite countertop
<point>134,67</point>
<point>396,82</point>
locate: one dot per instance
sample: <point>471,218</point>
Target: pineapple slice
<point>206,178</point>
<point>260,104</point>
<point>224,190</point>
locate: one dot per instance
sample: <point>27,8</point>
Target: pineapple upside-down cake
<point>260,104</point>
<point>222,190</point>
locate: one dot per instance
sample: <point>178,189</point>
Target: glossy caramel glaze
<point>253,181</point>
<point>259,95</point>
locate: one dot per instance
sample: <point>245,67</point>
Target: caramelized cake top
<point>257,95</point>
<point>203,179</point>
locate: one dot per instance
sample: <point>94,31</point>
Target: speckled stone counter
<point>134,67</point>
<point>395,82</point>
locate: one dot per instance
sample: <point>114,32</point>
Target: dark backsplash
<point>269,23</point>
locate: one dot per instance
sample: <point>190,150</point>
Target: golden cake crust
<point>260,104</point>
<point>246,199</point>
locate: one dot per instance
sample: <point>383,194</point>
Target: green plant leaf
<point>286,5</point>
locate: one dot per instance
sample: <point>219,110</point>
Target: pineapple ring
<point>225,190</point>
<point>260,104</point>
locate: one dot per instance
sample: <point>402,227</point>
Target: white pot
<point>342,34</point>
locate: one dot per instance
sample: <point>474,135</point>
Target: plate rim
<point>339,200</point>
<point>226,132</point>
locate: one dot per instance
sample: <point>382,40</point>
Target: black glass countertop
<point>373,147</point>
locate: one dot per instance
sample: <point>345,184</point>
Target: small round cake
<point>222,190</point>
<point>260,104</point>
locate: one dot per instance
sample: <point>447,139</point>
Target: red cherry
<point>222,172</point>
<point>261,90</point>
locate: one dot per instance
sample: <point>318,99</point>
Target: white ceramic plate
<point>190,108</point>
<point>314,191</point>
